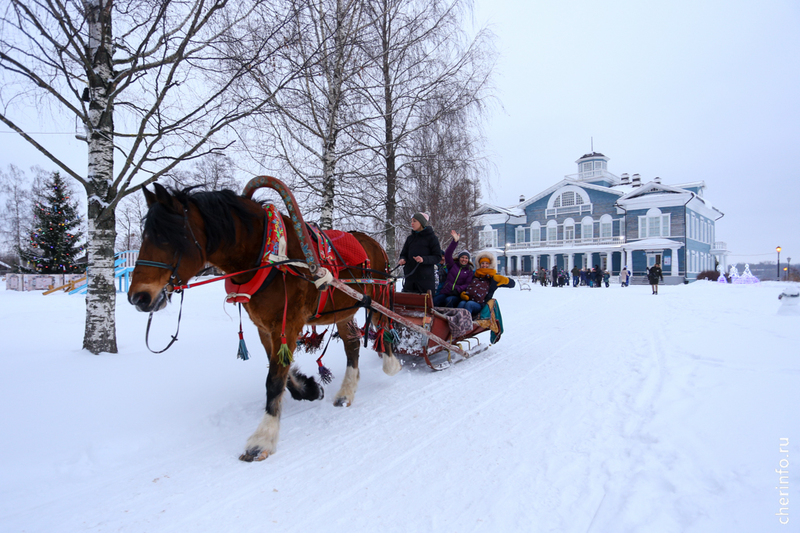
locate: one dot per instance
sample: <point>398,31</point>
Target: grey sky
<point>683,90</point>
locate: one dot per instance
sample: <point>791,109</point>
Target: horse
<point>185,230</point>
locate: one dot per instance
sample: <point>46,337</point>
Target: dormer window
<point>569,200</point>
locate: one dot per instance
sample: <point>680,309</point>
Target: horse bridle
<point>173,282</point>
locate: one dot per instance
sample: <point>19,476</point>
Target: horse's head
<point>170,253</point>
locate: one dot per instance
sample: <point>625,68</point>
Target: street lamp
<point>778,249</point>
<point>788,268</point>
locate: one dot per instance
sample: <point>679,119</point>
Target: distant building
<point>596,218</point>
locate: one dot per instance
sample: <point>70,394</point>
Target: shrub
<point>711,275</point>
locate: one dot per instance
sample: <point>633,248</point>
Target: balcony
<point>583,209</point>
<point>567,243</point>
<point>719,247</point>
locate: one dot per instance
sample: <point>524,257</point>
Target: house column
<point>674,267</point>
<point>552,261</point>
<point>609,264</point>
<point>570,262</point>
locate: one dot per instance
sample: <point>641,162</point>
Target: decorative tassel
<point>324,374</point>
<point>379,345</point>
<point>284,354</point>
<point>243,354</point>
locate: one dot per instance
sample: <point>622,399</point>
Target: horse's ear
<point>149,197</point>
<point>162,195</point>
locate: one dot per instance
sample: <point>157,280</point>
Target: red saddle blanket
<point>350,251</point>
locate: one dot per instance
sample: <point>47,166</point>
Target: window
<point>587,229</point>
<point>552,231</point>
<point>536,232</point>
<point>569,230</point>
<point>487,238</point>
<point>606,225</point>
<point>654,224</point>
<point>519,235</point>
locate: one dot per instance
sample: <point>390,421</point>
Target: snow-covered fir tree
<point>55,241</point>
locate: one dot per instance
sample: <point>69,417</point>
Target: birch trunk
<point>100,334</point>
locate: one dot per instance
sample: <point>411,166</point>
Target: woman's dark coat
<point>421,277</point>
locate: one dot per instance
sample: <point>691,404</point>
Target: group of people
<point>558,277</point>
<point>453,280</point>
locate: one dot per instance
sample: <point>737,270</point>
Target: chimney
<point>657,179</point>
<point>521,198</point>
<point>625,179</point>
<point>636,180</point>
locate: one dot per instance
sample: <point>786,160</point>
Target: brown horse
<point>185,230</point>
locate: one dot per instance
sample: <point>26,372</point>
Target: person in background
<point>555,276</point>
<point>653,275</point>
<point>623,277</point>
<point>419,255</point>
<point>576,273</point>
<point>606,277</point>
<point>441,273</point>
<point>459,276</point>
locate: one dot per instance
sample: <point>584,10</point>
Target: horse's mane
<point>166,226</point>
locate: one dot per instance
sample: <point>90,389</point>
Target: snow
<point>600,410</point>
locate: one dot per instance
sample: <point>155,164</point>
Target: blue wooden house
<point>597,218</point>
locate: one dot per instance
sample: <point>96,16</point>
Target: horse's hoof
<point>253,455</point>
<point>341,401</point>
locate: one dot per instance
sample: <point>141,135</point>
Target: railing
<point>579,209</point>
<point>719,246</point>
<point>562,243</point>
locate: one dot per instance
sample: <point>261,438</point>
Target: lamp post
<point>788,268</point>
<point>778,249</point>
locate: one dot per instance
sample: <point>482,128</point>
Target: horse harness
<point>271,260</point>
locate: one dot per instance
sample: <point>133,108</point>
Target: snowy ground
<point>601,410</point>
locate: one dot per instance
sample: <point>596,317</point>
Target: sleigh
<point>453,325</point>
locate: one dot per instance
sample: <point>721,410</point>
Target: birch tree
<point>305,134</point>
<point>423,72</point>
<point>150,82</point>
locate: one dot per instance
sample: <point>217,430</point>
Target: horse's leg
<point>263,442</point>
<point>351,375</point>
<point>391,364</point>
<point>303,387</point>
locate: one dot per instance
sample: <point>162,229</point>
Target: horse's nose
<point>140,300</point>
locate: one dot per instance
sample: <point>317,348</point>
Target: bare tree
<point>306,128</point>
<point>150,80</point>
<point>423,69</point>
<point>211,172</point>
<point>130,213</point>
<point>15,188</point>
<point>445,179</point>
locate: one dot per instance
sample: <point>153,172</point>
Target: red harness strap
<point>274,244</point>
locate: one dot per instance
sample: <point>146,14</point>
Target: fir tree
<point>54,239</point>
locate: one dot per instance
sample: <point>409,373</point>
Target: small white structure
<point>790,298</point>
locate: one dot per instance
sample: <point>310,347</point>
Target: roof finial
<point>592,138</point>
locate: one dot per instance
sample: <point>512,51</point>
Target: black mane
<point>167,227</point>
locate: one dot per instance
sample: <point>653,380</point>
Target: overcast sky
<point>685,90</point>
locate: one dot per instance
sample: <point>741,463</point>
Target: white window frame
<point>519,234</point>
<point>487,238</point>
<point>587,222</point>
<point>552,231</point>
<point>536,232</point>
